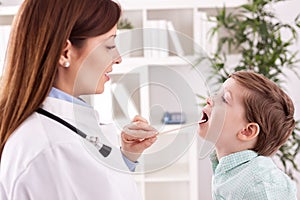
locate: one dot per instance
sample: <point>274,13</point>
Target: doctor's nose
<point>118,58</point>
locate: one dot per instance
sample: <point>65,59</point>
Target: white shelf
<point>163,180</point>
<point>8,10</point>
<point>130,5</point>
<point>155,5</point>
<point>181,175</point>
<point>220,3</point>
<point>130,63</point>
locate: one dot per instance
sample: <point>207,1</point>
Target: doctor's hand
<point>136,137</point>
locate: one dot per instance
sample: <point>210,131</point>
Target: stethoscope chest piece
<point>102,148</point>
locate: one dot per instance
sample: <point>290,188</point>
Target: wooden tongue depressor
<point>183,126</point>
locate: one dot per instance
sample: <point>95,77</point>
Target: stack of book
<point>204,42</point>
<point>159,37</point>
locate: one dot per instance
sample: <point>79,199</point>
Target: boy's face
<point>226,115</point>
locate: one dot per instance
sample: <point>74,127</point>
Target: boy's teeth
<point>204,118</point>
<point>202,121</point>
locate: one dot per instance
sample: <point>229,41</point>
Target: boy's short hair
<point>269,106</point>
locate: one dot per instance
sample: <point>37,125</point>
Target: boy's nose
<point>209,101</point>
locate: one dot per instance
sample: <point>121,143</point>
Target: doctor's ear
<point>64,59</point>
<point>250,132</point>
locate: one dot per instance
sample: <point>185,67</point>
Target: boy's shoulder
<point>268,181</point>
<point>246,175</point>
<point>260,169</point>
<point>263,169</point>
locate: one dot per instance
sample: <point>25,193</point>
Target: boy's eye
<point>223,99</point>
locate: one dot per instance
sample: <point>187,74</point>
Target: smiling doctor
<point>50,142</point>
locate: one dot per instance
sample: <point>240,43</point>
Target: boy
<point>257,118</point>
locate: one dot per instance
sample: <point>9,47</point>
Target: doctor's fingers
<point>139,130</point>
<point>146,142</point>
<point>130,139</point>
<point>138,134</point>
<point>140,126</point>
<point>139,118</point>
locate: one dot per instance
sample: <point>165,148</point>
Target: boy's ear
<point>64,59</point>
<point>250,132</point>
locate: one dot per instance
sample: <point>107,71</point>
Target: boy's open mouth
<point>204,118</point>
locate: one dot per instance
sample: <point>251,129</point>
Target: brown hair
<point>270,107</point>
<point>39,33</point>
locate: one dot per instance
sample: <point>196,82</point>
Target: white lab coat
<point>45,160</point>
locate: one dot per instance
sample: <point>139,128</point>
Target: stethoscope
<point>103,149</point>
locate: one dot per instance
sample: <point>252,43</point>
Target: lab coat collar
<point>70,111</point>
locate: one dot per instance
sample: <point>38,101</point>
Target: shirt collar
<point>214,160</point>
<point>231,161</point>
<point>58,94</point>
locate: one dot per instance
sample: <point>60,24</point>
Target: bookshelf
<point>185,176</point>
<point>188,177</point>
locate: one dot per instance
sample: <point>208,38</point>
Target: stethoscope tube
<point>103,149</point>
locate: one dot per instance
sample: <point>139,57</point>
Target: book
<point>155,39</point>
<point>175,39</point>
<point>204,43</point>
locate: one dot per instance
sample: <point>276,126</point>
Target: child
<point>253,118</point>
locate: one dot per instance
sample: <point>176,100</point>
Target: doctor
<point>58,50</point>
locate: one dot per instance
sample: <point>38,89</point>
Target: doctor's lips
<point>106,74</point>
